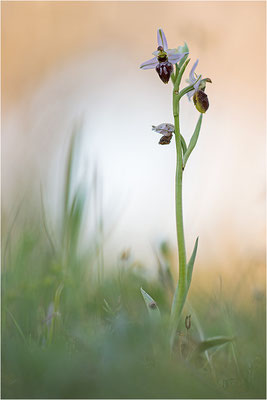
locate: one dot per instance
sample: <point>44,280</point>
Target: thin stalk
<point>181,290</point>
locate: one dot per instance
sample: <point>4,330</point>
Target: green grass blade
<point>55,313</point>
<point>48,234</point>
<point>190,264</point>
<point>213,342</point>
<point>57,296</point>
<point>201,336</point>
<point>71,167</point>
<point>76,217</point>
<point>68,177</point>
<point>193,140</point>
<point>151,305</point>
<point>17,326</point>
<point>9,235</point>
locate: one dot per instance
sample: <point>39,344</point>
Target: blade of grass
<point>9,233</point>
<point>17,326</point>
<point>213,342</point>
<point>151,305</point>
<point>48,234</point>
<point>55,312</point>
<point>190,264</point>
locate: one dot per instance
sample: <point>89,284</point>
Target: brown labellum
<point>165,139</point>
<point>164,70</point>
<point>201,101</point>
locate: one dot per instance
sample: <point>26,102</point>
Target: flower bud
<point>201,101</point>
<point>164,70</point>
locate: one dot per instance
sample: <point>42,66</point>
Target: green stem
<point>181,290</point>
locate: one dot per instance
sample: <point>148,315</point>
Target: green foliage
<point>193,140</point>
<point>190,264</point>
<point>65,334</point>
<point>184,49</point>
<point>151,305</point>
<point>183,144</point>
<point>181,72</point>
<point>212,342</point>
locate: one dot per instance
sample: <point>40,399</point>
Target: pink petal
<point>162,41</point>
<point>150,64</point>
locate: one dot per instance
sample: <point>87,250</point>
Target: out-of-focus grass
<point>69,331</point>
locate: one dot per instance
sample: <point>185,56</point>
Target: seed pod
<point>164,70</point>
<point>201,101</point>
<point>165,139</point>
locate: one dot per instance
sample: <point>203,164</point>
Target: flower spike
<point>163,63</point>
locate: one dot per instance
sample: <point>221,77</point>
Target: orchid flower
<point>166,130</point>
<point>164,58</point>
<point>194,79</point>
<point>163,63</point>
<point>200,98</point>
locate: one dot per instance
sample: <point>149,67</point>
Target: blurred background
<point>65,63</point>
<point>88,205</point>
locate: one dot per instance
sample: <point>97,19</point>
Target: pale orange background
<point>65,60</point>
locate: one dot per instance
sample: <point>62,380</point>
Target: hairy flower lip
<point>174,55</point>
<point>165,139</point>
<point>164,70</point>
<point>201,101</point>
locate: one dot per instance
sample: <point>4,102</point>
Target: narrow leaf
<point>45,223</point>
<point>180,74</point>
<point>213,342</point>
<point>184,49</point>
<point>17,326</point>
<point>150,304</point>
<point>183,143</point>
<point>55,312</point>
<point>190,264</point>
<point>57,296</point>
<point>193,140</point>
